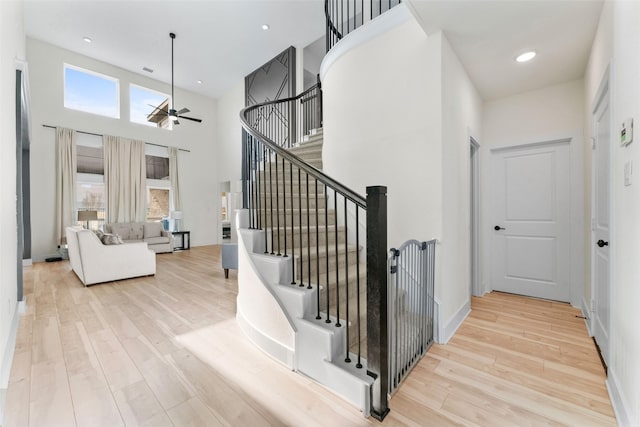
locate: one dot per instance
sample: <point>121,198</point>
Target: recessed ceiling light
<point>527,56</point>
<point>265,27</point>
<point>87,39</point>
<point>199,82</point>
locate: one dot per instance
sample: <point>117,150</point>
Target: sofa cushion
<point>137,231</point>
<point>111,239</point>
<point>157,240</point>
<point>123,230</point>
<point>152,229</point>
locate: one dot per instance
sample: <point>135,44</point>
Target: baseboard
<point>27,262</point>
<point>447,331</point>
<point>618,401</point>
<point>7,359</point>
<point>274,349</point>
<point>586,313</point>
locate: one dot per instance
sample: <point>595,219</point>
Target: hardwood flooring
<point>167,351</point>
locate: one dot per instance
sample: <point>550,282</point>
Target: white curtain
<point>173,176</point>
<point>66,161</point>
<point>125,177</point>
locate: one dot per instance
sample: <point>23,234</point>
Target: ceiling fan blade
<point>184,110</point>
<point>191,118</point>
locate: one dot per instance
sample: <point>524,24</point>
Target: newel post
<point>377,326</point>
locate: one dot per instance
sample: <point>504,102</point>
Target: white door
<point>530,210</point>
<point>600,255</point>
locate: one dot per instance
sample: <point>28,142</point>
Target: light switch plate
<point>628,173</point>
<point>626,132</point>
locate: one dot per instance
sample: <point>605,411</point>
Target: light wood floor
<point>166,350</point>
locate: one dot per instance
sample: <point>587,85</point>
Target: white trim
<point>586,312</point>
<point>7,359</point>
<point>387,21</point>
<point>448,330</point>
<point>554,141</point>
<point>618,401</point>
<point>474,220</point>
<point>272,348</point>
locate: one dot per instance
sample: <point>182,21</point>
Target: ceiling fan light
<point>527,56</point>
<point>173,118</point>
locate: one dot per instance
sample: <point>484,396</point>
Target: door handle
<point>601,243</point>
<point>498,228</point>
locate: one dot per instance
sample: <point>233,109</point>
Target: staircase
<point>323,263</point>
<point>303,271</point>
<point>313,265</point>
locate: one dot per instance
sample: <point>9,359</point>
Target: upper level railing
<point>323,227</point>
<point>344,16</point>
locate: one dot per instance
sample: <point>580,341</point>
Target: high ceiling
<point>488,35</point>
<point>220,41</point>
<point>217,41</point>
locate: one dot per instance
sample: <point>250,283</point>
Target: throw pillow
<point>99,233</point>
<point>112,239</point>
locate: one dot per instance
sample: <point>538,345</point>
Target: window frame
<point>170,127</point>
<point>66,66</point>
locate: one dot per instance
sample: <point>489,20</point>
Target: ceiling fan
<point>173,114</point>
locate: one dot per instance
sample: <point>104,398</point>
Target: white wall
<point>12,47</point>
<point>229,133</point>
<point>547,114</point>
<point>198,169</point>
<point>623,27</point>
<point>402,118</point>
<point>382,124</point>
<point>461,119</point>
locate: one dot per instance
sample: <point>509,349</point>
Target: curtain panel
<point>66,165</point>
<point>125,177</point>
<point>173,176</point>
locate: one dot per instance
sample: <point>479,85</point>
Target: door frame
<point>474,217</point>
<point>577,212</point>
<point>589,306</point>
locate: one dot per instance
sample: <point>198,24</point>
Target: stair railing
<point>344,16</point>
<point>320,225</point>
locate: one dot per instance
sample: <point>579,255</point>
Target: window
<point>158,203</point>
<point>90,196</point>
<point>157,167</point>
<point>91,92</point>
<point>148,107</point>
<point>90,160</point>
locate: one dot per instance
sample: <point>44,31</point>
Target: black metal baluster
<point>278,203</point>
<point>252,218</point>
<point>271,199</point>
<point>346,273</point>
<point>301,271</point>
<point>293,244</point>
<point>326,250</point>
<point>258,179</point>
<point>284,207</point>
<point>335,224</point>
<point>317,257</point>
<point>359,364</point>
<point>308,237</point>
<point>264,183</point>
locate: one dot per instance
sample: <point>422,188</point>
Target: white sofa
<point>94,262</point>
<point>156,237</point>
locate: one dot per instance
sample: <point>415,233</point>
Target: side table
<point>185,241</point>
